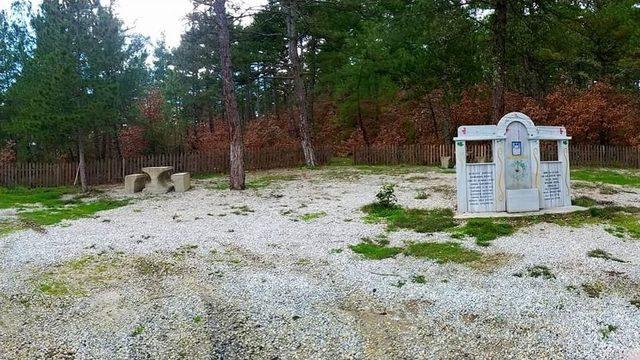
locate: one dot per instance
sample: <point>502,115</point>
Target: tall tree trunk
<point>82,168</point>
<point>499,30</point>
<point>236,153</point>
<point>299,86</point>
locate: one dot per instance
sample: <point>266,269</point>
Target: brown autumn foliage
<point>8,152</point>
<point>600,114</point>
<point>133,141</point>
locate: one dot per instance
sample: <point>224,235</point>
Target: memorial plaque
<point>480,187</point>
<point>551,184</point>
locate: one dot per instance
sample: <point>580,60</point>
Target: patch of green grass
<point>442,252</point>
<point>343,168</point>
<point>584,201</point>
<point>197,319</point>
<point>607,330</point>
<point>218,186</point>
<point>54,215</point>
<point>539,271</point>
<point>257,183</point>
<point>242,210</point>
<point>485,230</point>
<point>627,222</point>
<point>593,290</point>
<point>152,267</point>
<point>267,180</point>
<point>419,220</point>
<point>374,251</point>
<point>7,227</point>
<point>138,330</point>
<point>205,176</point>
<point>312,216</point>
<point>54,287</point>
<point>422,195</point>
<point>47,197</point>
<point>340,161</point>
<point>601,254</point>
<point>303,262</point>
<point>419,279</point>
<point>606,176</point>
<point>184,251</point>
<point>80,263</point>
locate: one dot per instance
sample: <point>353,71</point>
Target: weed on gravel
<point>422,195</point>
<point>538,271</point>
<point>607,331</point>
<point>593,290</point>
<point>601,254</point>
<point>419,279</point>
<point>312,216</point>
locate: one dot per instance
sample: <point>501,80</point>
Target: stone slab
<point>523,200</point>
<point>558,210</point>
<point>135,183</point>
<point>181,182</point>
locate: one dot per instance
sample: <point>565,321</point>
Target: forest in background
<point>74,78</point>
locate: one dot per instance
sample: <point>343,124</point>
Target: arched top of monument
<point>499,132</point>
<point>532,130</point>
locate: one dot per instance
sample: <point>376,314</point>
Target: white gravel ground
<point>183,276</point>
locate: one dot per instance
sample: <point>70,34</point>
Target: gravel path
<point>227,275</point>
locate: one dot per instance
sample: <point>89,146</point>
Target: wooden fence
<point>580,155</point>
<point>111,171</point>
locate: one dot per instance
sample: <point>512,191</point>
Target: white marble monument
<point>516,181</point>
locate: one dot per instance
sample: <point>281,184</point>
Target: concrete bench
<point>160,176</point>
<point>181,181</point>
<point>135,183</point>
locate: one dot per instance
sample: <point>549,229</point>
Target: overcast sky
<point>154,17</point>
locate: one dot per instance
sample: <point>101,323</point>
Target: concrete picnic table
<point>160,179</point>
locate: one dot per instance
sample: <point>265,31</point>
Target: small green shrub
<point>387,197</point>
<point>138,330</point>
<point>607,330</point>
